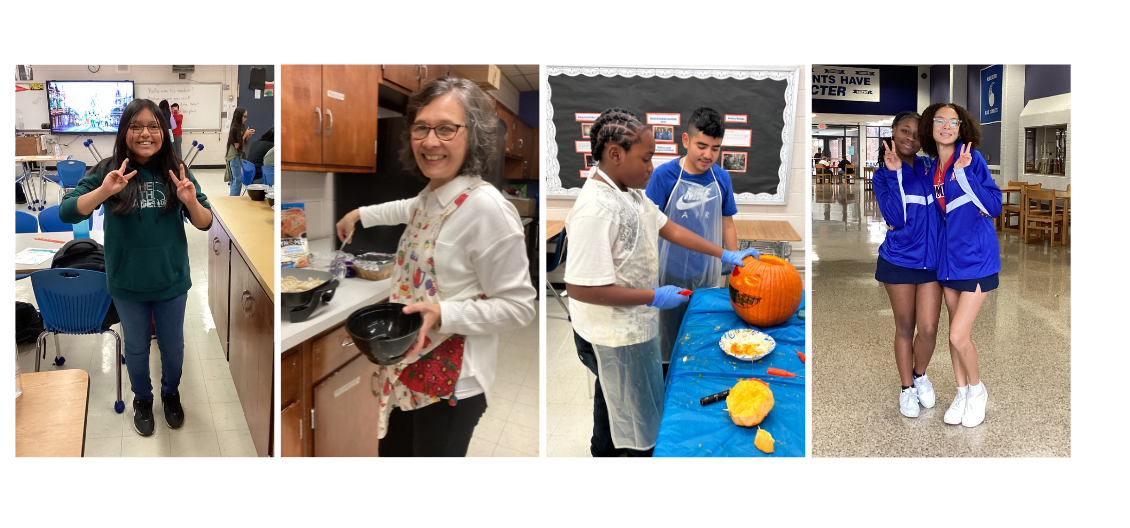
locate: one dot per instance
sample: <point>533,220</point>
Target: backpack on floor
<point>85,254</point>
<point>28,323</point>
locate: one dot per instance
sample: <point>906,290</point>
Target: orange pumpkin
<point>749,402</point>
<point>763,441</point>
<point>765,292</point>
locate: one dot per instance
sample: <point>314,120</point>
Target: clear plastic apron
<point>631,376</point>
<point>698,208</point>
<point>414,280</point>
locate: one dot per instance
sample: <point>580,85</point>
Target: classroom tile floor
<point>214,422</point>
<point>1022,334</point>
<point>511,424</point>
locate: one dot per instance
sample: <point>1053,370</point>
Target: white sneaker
<point>956,410</point>
<point>975,409</point>
<point>925,391</point>
<point>908,402</point>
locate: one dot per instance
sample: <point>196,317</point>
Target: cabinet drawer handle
<point>347,342</point>
<point>520,141</point>
<point>318,131</point>
<point>425,73</point>
<point>246,303</point>
<point>330,114</point>
<point>216,245</point>
<point>419,72</point>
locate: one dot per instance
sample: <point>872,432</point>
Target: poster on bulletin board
<point>991,94</point>
<point>759,105</point>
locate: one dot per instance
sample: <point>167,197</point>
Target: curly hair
<point>616,126</point>
<point>482,123</point>
<point>969,130</point>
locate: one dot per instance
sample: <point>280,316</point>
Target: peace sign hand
<point>964,159</point>
<point>891,158</point>
<point>186,191</point>
<point>116,180</point>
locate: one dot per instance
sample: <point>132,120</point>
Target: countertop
<point>350,295</point>
<point>251,225</point>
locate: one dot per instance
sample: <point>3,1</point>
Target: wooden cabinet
<point>346,407</point>
<point>292,430</point>
<point>432,72</point>
<point>218,276</point>
<point>329,118</point>
<point>406,76</point>
<point>251,350</point>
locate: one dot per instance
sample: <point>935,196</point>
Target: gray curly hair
<point>482,123</point>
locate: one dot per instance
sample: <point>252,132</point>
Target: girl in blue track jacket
<point>908,258</point>
<point>969,254</point>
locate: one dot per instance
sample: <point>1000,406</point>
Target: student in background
<point>258,150</point>
<point>238,135</point>
<point>167,111</point>
<point>178,128</point>
<point>148,193</point>
<point>695,193</point>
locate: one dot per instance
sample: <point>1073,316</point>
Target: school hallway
<point>1022,335</point>
<point>214,422</point>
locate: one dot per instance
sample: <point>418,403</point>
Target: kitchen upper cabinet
<point>346,407</point>
<point>406,76</point>
<point>432,72</point>
<point>219,243</point>
<point>251,350</point>
<point>329,120</point>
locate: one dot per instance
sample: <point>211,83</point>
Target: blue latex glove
<point>735,258</point>
<point>668,297</point>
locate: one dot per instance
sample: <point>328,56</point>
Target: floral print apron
<point>430,377</point>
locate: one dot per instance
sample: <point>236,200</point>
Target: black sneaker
<point>143,417</point>
<point>174,413</point>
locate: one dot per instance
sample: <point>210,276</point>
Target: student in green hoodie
<point>147,193</point>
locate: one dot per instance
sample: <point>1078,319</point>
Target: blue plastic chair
<point>70,173</point>
<point>551,264</point>
<point>49,221</point>
<point>26,223</point>
<point>248,172</point>
<point>75,302</point>
<point>269,175</point>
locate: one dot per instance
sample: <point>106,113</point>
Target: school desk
<point>28,181</point>
<point>51,413</point>
<point>28,240</point>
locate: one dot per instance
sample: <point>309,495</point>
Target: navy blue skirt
<point>888,273</point>
<point>988,284</point>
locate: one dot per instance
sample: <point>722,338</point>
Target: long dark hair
<point>164,106</point>
<point>235,134</point>
<point>160,164</point>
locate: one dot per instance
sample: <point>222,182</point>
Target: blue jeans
<point>236,186</point>
<point>169,318</point>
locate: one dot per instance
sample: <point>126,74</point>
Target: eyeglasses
<point>153,128</point>
<point>939,122</point>
<point>443,132</point>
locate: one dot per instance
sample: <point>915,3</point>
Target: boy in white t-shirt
<point>612,279</point>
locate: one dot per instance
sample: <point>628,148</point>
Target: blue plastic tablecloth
<point>700,368</point>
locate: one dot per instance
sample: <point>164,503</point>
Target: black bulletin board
<point>767,99</point>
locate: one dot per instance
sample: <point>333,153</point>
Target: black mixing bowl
<point>383,332</point>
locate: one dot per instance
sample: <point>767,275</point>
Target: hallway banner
<point>845,83</point>
<point>991,84</point>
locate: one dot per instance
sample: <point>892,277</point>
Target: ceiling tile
<point>528,69</point>
<point>509,70</point>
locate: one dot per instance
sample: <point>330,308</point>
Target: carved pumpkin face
<point>765,292</point>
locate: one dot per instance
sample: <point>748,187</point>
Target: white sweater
<point>481,249</point>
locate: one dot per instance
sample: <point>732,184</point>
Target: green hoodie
<point>146,250</point>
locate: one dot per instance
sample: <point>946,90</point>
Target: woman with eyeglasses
<point>147,193</point>
<point>908,258</point>
<point>238,135</point>
<point>461,264</point>
<point>969,254</point>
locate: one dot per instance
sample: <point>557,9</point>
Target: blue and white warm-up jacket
<point>969,247</point>
<point>906,199</point>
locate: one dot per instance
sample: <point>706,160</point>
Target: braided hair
<point>616,126</point>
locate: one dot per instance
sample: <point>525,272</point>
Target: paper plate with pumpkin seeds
<point>746,344</point>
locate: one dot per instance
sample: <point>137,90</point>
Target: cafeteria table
<point>779,232</point>
<point>28,240</point>
<point>553,228</point>
<point>51,413</point>
<point>699,368</point>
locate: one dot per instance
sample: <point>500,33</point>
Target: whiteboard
<point>32,106</point>
<point>199,102</point>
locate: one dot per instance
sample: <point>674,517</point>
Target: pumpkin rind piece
<point>763,441</point>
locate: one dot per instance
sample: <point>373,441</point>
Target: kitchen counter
<point>252,228</point>
<point>350,295</point>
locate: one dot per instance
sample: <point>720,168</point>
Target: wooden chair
<point>1042,218</point>
<point>868,174</point>
<point>1012,211</point>
<point>849,173</point>
<point>1065,210</point>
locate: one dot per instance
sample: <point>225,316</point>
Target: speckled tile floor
<point>1022,334</point>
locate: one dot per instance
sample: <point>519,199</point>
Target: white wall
<point>316,190</point>
<point>71,144</point>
